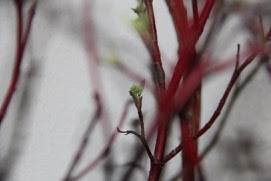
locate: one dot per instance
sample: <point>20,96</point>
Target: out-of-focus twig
<point>141,136</point>
<point>222,102</point>
<point>105,151</point>
<point>237,91</point>
<point>136,93</point>
<point>85,139</point>
<point>22,122</point>
<point>93,60</point>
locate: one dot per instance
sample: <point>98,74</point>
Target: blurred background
<point>54,101</point>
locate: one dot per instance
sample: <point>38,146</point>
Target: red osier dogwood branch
<point>178,96</point>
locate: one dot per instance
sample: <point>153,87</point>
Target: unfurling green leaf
<point>141,24</point>
<point>135,92</point>
<point>140,9</point>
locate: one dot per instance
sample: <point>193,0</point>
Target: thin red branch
<point>19,11</point>
<point>179,16</point>
<point>206,13</point>
<point>106,150</point>
<point>153,32</point>
<point>195,11</point>
<point>222,102</point>
<point>31,14</point>
<point>237,91</point>
<point>187,90</point>
<point>95,75</point>
<point>189,154</point>
<point>220,106</point>
<point>21,42</point>
<point>188,51</point>
<point>85,139</point>
<point>186,55</point>
<point>163,123</point>
<point>155,52</point>
<point>190,120</point>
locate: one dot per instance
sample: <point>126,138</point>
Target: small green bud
<point>135,92</point>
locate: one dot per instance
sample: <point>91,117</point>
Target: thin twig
<point>186,55</point>
<point>85,139</point>
<point>156,55</point>
<point>143,137</point>
<point>206,12</point>
<point>139,153</point>
<point>221,104</point>
<point>190,158</point>
<point>237,57</point>
<point>93,60</point>
<point>180,100</point>
<point>21,42</point>
<point>18,136</point>
<point>153,32</point>
<point>220,17</point>
<point>31,14</point>
<point>107,148</point>
<point>129,132</point>
<point>211,121</point>
<point>237,91</point>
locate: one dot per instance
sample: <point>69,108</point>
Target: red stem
<point>206,12</point>
<point>221,104</point>
<point>186,55</point>
<point>195,11</point>
<point>31,14</point>
<point>189,154</point>
<point>190,120</point>
<point>156,56</point>
<point>21,42</point>
<point>95,75</point>
<point>155,52</point>
<point>179,15</point>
